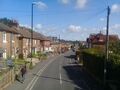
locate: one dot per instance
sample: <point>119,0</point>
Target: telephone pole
<point>107,44</point>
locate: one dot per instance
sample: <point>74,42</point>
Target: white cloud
<point>40,5</point>
<point>115,8</point>
<point>115,27</point>
<point>25,25</point>
<point>81,4</point>
<point>102,19</point>
<point>74,28</point>
<point>65,1</point>
<point>38,27</point>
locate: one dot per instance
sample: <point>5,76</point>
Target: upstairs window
<point>12,37</point>
<point>4,37</point>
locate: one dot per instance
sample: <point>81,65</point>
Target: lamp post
<point>33,3</point>
<point>32,7</point>
<point>31,29</point>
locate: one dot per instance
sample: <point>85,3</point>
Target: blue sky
<point>71,19</point>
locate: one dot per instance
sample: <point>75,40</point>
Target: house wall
<point>36,45</point>
<point>0,39</point>
<point>9,45</point>
<point>45,45</point>
<point>16,45</point>
<point>26,47</point>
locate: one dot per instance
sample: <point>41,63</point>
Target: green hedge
<point>94,64</point>
<point>93,61</point>
<point>113,68</point>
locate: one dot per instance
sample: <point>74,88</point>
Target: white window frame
<point>12,37</point>
<point>5,54</point>
<point>27,41</point>
<point>4,36</point>
<point>35,41</point>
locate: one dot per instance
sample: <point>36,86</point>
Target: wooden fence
<point>7,79</point>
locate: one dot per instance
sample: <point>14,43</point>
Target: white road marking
<point>70,61</point>
<point>60,75</point>
<point>60,79</point>
<point>34,80</point>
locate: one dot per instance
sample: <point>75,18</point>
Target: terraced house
<point>25,41</point>
<point>16,41</point>
<point>8,41</point>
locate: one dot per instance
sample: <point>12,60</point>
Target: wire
<point>95,15</point>
<point>105,2</point>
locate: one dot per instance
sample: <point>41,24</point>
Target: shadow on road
<point>70,57</point>
<point>80,78</point>
<point>48,77</point>
<point>74,73</point>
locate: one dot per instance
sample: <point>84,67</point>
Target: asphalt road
<point>63,74</point>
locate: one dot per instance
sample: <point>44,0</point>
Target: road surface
<point>63,73</point>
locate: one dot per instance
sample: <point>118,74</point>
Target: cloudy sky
<point>71,19</point>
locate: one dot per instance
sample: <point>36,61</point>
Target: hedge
<point>93,61</point>
<point>94,64</point>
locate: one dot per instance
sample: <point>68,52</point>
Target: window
<point>35,41</point>
<point>4,54</point>
<point>28,42</point>
<point>12,38</point>
<point>4,37</point>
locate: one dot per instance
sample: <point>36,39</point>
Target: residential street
<point>62,73</point>
<point>60,45</point>
<point>58,73</point>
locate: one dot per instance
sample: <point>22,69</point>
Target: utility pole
<point>107,45</point>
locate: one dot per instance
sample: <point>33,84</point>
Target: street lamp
<point>42,6</point>
<point>34,3</point>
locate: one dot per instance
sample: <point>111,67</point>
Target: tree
<point>9,22</point>
<point>115,47</point>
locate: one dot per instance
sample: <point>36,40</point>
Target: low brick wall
<point>7,79</point>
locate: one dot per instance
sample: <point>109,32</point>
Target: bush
<point>31,65</point>
<point>20,56</point>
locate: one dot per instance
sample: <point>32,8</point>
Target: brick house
<point>8,41</point>
<point>16,41</point>
<point>40,42</point>
<point>45,42</point>
<point>99,40</point>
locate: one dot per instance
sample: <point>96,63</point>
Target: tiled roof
<point>23,31</point>
<point>101,38</point>
<point>39,36</point>
<point>26,32</point>
<point>6,28</point>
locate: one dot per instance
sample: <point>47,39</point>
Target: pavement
<point>57,73</point>
<point>29,75</point>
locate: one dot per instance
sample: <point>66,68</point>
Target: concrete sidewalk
<point>30,75</point>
